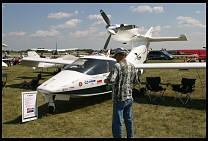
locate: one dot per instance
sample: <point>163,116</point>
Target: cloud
<point>76,12</point>
<point>84,33</point>
<point>98,23</point>
<point>156,29</point>
<point>17,34</point>
<point>95,17</point>
<point>59,15</point>
<point>198,12</point>
<point>69,24</point>
<point>41,33</point>
<point>189,22</point>
<point>145,8</point>
<point>99,18</point>
<point>167,26</point>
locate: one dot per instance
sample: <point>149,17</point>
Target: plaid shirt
<point>122,77</point>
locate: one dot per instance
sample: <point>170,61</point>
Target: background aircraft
<point>7,58</point>
<point>85,76</point>
<point>35,61</point>
<point>53,51</point>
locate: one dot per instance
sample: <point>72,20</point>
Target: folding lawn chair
<point>154,87</point>
<point>185,88</point>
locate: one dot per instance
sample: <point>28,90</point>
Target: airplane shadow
<point>79,103</point>
<point>198,104</point>
<point>65,106</point>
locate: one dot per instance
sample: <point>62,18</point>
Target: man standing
<point>123,76</point>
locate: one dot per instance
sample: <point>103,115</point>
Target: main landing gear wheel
<point>51,108</point>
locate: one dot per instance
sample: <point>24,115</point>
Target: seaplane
<point>85,76</point>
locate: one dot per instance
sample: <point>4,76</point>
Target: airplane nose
<point>60,82</point>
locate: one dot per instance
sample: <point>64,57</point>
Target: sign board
<point>29,106</point>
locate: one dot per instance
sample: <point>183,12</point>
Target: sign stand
<point>29,106</point>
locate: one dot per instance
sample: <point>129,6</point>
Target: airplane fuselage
<point>84,77</point>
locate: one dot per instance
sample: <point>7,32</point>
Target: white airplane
<point>85,76</point>
<point>54,51</point>
<point>35,61</point>
<point>6,58</point>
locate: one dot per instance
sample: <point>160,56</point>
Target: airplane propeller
<point>107,42</point>
<point>105,17</point>
<point>113,29</point>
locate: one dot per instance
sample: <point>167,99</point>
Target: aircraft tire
<point>51,109</point>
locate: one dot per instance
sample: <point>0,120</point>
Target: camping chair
<point>185,88</point>
<point>4,75</point>
<point>154,88</point>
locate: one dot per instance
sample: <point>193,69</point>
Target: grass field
<point>91,117</point>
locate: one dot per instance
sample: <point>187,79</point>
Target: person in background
<point>123,77</point>
<point>21,55</point>
<point>16,61</point>
<point>42,56</point>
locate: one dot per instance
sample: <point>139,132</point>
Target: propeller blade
<point>105,17</point>
<point>107,42</point>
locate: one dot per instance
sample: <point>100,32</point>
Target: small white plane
<point>54,51</point>
<point>6,57</point>
<point>35,61</point>
<point>85,76</point>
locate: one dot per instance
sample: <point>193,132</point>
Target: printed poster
<point>29,106</point>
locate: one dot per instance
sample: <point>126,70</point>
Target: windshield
<point>91,66</point>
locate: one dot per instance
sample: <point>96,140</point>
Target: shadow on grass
<point>43,74</point>
<point>79,103</point>
<point>17,86</point>
<point>66,106</point>
<point>198,104</point>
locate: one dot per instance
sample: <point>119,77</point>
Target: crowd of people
<point>12,61</point>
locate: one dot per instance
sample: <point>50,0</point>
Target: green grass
<point>91,117</point>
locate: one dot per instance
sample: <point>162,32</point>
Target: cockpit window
<point>91,66</point>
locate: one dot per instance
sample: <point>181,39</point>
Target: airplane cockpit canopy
<point>91,66</point>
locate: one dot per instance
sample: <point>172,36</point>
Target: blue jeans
<point>122,110</point>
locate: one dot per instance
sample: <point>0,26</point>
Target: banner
<point>29,106</point>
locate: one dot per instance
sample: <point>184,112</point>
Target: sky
<point>80,25</point>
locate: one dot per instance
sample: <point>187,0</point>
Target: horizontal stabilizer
<point>182,37</point>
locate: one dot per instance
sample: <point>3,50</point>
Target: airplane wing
<point>4,64</point>
<point>200,65</point>
<point>182,37</point>
<point>51,50</point>
<point>31,61</point>
<point>7,59</point>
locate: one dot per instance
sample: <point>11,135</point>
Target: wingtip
<point>183,37</point>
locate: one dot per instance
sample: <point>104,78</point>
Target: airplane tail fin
<point>149,32</point>
<point>33,54</point>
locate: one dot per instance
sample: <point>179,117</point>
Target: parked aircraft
<point>35,61</point>
<point>53,51</point>
<point>85,76</point>
<point>7,58</point>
